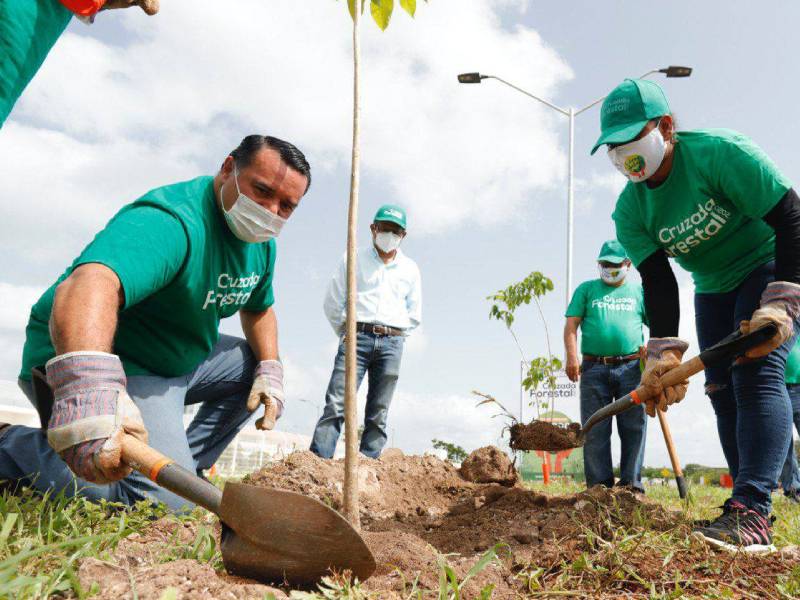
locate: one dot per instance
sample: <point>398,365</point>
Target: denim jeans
<point>752,406</point>
<point>790,476</point>
<point>600,385</point>
<point>221,384</point>
<point>379,357</point>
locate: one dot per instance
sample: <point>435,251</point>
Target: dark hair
<point>289,153</point>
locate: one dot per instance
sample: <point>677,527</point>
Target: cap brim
<point>620,134</point>
<point>391,220</point>
<point>612,258</point>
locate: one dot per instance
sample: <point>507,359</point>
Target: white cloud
<point>603,186</point>
<point>15,306</point>
<point>416,419</point>
<point>452,153</point>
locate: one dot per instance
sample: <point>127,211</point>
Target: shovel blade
<point>275,535</point>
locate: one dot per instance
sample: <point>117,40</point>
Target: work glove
<point>149,6</point>
<point>663,355</point>
<point>89,8</point>
<point>780,304</point>
<point>91,412</point>
<point>267,390</point>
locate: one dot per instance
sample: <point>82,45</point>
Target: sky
<point>134,102</point>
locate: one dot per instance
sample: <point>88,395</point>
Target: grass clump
<point>43,536</point>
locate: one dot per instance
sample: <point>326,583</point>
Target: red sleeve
<point>84,8</point>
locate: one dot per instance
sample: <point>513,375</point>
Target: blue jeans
<point>379,357</point>
<point>221,383</point>
<point>752,406</point>
<point>790,476</point>
<point>600,385</point>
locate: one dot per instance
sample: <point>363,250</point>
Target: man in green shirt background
<point>610,313</point>
<point>129,333</point>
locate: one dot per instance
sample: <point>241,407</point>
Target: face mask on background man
<point>613,274</point>
<point>249,221</point>
<point>387,242</point>
<point>638,160</point>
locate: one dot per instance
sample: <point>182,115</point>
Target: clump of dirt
<point>394,485</point>
<point>489,465</point>
<point>541,435</point>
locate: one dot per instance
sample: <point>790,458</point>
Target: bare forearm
<point>261,331</point>
<point>570,341</point>
<point>85,308</point>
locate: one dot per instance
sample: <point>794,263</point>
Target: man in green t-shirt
<point>610,313</point>
<point>129,334</point>
<point>30,28</point>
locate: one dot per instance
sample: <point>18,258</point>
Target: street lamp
<point>570,113</point>
<point>317,405</point>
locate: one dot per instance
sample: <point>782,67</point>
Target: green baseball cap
<point>628,108</point>
<point>391,213</point>
<point>613,252</point>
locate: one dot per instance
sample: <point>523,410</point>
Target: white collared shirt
<point>388,294</point>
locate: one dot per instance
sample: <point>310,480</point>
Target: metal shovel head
<point>279,536</point>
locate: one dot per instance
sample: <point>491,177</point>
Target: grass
<point>703,503</point>
<point>44,538</point>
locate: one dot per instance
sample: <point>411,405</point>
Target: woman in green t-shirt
<point>714,202</point>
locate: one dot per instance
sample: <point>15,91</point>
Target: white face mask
<point>611,275</point>
<point>638,160</point>
<point>387,242</point>
<point>248,220</point>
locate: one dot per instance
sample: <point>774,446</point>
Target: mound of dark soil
<point>541,435</point>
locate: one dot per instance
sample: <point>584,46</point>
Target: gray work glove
<point>149,6</point>
<point>663,355</point>
<point>91,412</point>
<point>780,304</point>
<point>267,389</point>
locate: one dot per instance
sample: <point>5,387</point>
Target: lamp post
<point>316,405</point>
<point>570,113</point>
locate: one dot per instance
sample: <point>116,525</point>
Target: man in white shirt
<point>388,307</point>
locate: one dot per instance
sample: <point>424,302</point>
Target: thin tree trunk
<point>351,511</point>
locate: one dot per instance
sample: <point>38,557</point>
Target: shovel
<point>267,534</point>
<point>270,535</point>
<point>727,350</point>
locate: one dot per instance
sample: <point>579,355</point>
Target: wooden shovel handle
<point>673,454</point>
<point>675,376</point>
<point>168,474</point>
<point>142,458</point>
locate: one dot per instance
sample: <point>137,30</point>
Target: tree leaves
<point>410,6</point>
<point>381,10</point>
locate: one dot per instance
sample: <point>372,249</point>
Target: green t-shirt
<point>708,212</point>
<point>181,269</point>
<point>28,29</point>
<point>793,366</point>
<point>612,317</point>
